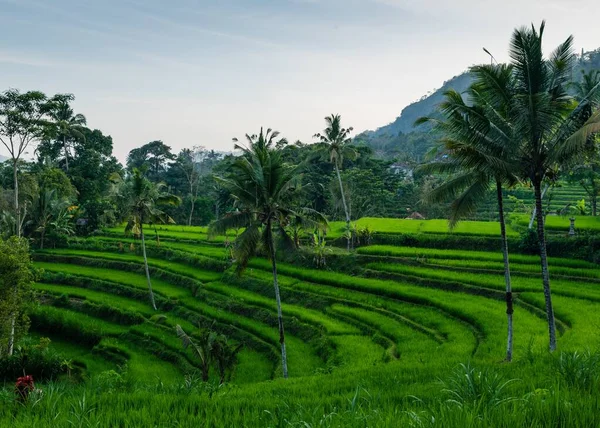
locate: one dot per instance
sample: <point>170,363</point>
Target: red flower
<point>24,387</point>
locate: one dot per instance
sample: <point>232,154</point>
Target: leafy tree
<point>145,197</point>
<point>66,126</point>
<point>263,188</point>
<point>21,125</point>
<point>153,156</point>
<point>16,276</point>
<point>337,141</point>
<point>51,214</point>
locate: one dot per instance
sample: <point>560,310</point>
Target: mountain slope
<point>400,139</point>
<point>424,107</point>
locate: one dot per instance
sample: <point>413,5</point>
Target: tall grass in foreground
<point>547,390</point>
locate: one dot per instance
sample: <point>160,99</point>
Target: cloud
<point>25,59</point>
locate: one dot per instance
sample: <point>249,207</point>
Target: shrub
<point>35,359</point>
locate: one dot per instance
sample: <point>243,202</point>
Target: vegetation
<point>398,319</point>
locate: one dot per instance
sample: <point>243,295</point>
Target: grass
<point>360,346</point>
<point>408,226</point>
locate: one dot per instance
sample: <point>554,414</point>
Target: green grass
<point>582,290</point>
<point>562,223</point>
<point>377,338</point>
<point>407,226</point>
<point>169,266</point>
<point>423,254</point>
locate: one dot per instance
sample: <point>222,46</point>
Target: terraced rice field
<point>399,305</point>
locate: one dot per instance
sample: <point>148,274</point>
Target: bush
<point>528,242</point>
<point>35,359</point>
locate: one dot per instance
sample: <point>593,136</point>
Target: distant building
<point>403,168</point>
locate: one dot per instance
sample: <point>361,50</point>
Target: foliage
<point>16,275</point>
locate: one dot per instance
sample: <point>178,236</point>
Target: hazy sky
<point>201,72</point>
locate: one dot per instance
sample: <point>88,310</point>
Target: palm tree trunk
<point>535,210</point>
<point>544,263</point>
<point>42,238</point>
<point>509,300</point>
<point>594,204</point>
<point>278,300</point>
<point>66,153</point>
<point>17,210</point>
<point>339,177</point>
<point>146,267</point>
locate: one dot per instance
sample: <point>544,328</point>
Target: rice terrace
<point>441,271</point>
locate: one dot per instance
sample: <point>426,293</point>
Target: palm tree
<point>588,88</point>
<point>263,188</point>
<point>144,199</point>
<point>548,124</point>
<point>544,117</point>
<point>68,126</point>
<point>338,145</point>
<point>203,347</point>
<point>479,144</point>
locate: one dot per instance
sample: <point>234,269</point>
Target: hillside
<point>362,337</point>
<point>400,139</point>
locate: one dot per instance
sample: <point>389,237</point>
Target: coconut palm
<point>337,141</point>
<point>551,128</point>
<point>263,188</point>
<point>588,88</point>
<point>145,196</point>
<point>545,117</point>
<point>67,125</point>
<point>479,147</point>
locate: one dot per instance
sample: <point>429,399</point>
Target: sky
<point>200,72</point>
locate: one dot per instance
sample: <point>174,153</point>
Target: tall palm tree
<point>479,145</point>
<point>68,125</point>
<point>337,141</point>
<point>263,188</point>
<point>544,116</point>
<point>145,196</point>
<point>588,88</point>
<point>551,128</point>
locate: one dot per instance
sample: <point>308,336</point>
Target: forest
<point>446,276</point>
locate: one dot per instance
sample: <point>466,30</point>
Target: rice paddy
<point>361,340</point>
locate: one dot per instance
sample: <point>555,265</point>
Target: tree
<point>480,147</point>
<point>189,162</point>
<point>15,282</point>
<point>21,125</point>
<point>66,126</point>
<point>211,347</point>
<point>588,88</point>
<point>225,354</point>
<point>549,125</point>
<point>338,142</point>
<point>263,188</point>
<point>153,156</point>
<point>144,199</point>
<point>202,347</point>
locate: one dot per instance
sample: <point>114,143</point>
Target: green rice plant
<point>569,288</point>
<point>479,389</point>
<point>579,369</point>
<point>177,268</point>
<point>409,226</point>
<point>424,254</point>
